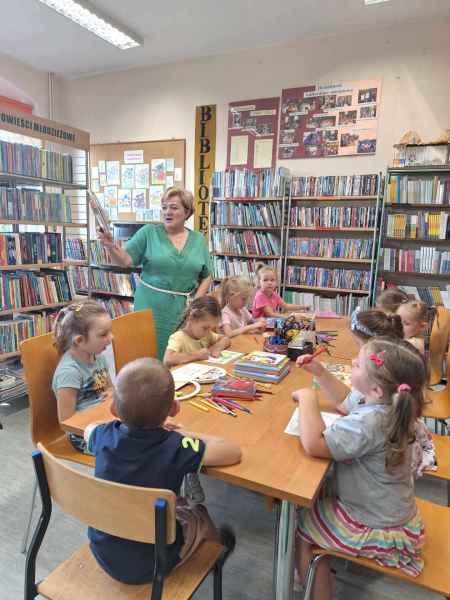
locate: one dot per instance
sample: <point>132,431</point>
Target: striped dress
<point>372,511</point>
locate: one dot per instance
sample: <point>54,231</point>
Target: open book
<point>100,214</point>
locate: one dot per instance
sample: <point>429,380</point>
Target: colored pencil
<point>199,406</point>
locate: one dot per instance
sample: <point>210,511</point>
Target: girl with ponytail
<point>373,513</point>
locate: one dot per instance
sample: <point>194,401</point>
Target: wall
<point>414,62</point>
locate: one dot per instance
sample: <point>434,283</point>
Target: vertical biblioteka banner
<point>205,158</point>
<point>252,133</point>
<point>329,120</point>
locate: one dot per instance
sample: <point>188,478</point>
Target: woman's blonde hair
<point>186,199</point>
<point>389,364</point>
<point>234,285</point>
<point>76,319</point>
<point>262,268</point>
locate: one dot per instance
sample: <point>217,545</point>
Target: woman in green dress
<point>175,263</point>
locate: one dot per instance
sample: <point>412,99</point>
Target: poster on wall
<point>339,119</point>
<point>252,133</point>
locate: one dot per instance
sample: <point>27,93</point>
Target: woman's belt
<point>170,292</point>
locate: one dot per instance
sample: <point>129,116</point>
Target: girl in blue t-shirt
<point>82,332</point>
<point>372,513</point>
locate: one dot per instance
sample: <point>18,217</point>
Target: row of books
<point>431,295</point>
<point>116,307</point>
<point>333,217</point>
<point>245,242</point>
<point>421,156</point>
<point>330,247</point>
<point>266,214</point>
<point>329,278</point>
<point>76,249</point>
<point>99,254</point>
<point>23,326</point>
<point>228,266</point>
<point>407,189</point>
<point>246,183</point>
<point>420,226</point>
<point>79,278</point>
<point>31,205</point>
<point>23,159</point>
<point>424,260</point>
<point>33,288</point>
<point>339,185</point>
<point>123,284</point>
<point>339,304</point>
<point>30,248</point>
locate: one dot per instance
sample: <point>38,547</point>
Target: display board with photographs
<point>252,133</point>
<point>130,178</point>
<point>340,119</point>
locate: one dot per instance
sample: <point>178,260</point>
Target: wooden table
<point>273,463</point>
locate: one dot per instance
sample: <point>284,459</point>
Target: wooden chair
<point>131,512</point>
<point>39,359</point>
<point>437,405</point>
<point>442,446</point>
<point>439,340</point>
<point>134,337</point>
<point>436,575</point>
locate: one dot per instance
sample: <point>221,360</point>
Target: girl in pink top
<point>267,303</point>
<point>236,319</point>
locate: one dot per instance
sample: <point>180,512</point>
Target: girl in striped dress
<point>372,512</point>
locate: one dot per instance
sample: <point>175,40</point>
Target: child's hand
<point>259,325</point>
<point>301,394</point>
<point>314,367</point>
<point>107,396</point>
<point>204,354</point>
<point>171,425</point>
<point>215,353</point>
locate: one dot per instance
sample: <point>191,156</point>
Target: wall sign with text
<point>205,157</point>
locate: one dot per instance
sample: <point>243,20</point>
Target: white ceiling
<point>176,30</point>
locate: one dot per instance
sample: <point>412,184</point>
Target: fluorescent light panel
<point>87,18</point>
<point>369,2</point>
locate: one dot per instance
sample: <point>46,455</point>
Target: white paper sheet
<point>292,426</point>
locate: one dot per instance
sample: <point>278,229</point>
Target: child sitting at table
<point>366,324</point>
<point>236,318</point>
<point>196,338</point>
<point>143,449</point>
<point>390,299</point>
<point>82,332</point>
<point>373,513</point>
<point>267,302</point>
<point>415,316</point>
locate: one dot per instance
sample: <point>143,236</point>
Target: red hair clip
<point>404,387</point>
<point>378,359</point>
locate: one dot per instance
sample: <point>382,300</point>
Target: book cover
<point>267,360</point>
<point>226,356</point>
<point>229,387</point>
<point>99,213</point>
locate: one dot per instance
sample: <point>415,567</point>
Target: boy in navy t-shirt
<point>141,450</point>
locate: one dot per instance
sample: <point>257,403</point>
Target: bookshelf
<point>330,241</point>
<point>414,238</point>
<point>246,220</point>
<point>43,207</point>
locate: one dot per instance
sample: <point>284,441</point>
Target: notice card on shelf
<point>239,150</point>
<point>292,426</point>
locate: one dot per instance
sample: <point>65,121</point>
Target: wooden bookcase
<point>413,202</point>
<point>60,139</point>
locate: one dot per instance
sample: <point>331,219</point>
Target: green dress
<point>163,266</point>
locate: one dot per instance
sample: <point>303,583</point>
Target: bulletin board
<point>129,178</point>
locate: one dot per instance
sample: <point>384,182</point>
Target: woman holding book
<point>175,263</point>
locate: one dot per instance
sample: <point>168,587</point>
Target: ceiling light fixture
<point>89,18</point>
<point>369,2</point>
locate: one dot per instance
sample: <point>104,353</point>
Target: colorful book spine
<point>408,189</point>
<point>228,266</point>
<point>30,248</point>
<point>331,248</point>
<point>76,249</point>
<point>256,214</point>
<point>31,205</point>
<point>343,304</point>
<point>21,289</point>
<point>423,260</point>
<point>245,183</point>
<point>118,283</point>
<point>245,242</point>
<point>23,159</point>
<point>22,327</point>
<point>344,279</point>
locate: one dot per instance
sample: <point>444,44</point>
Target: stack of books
<point>262,366</point>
